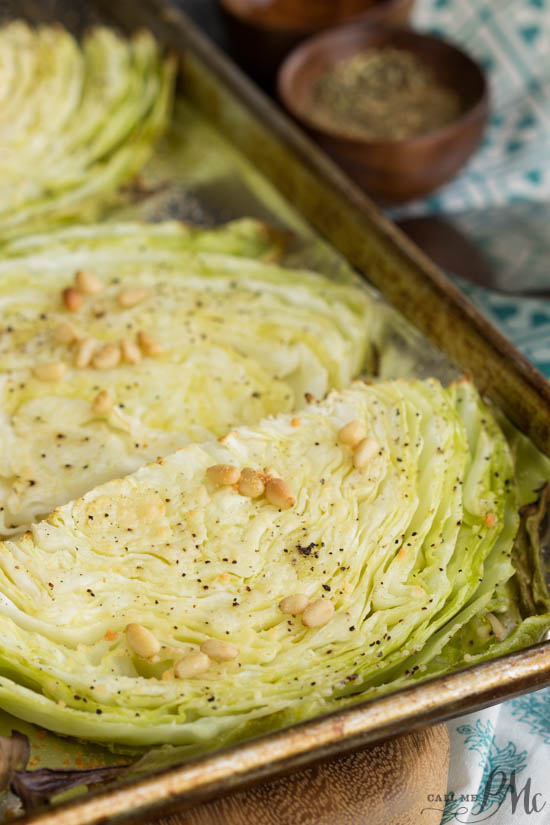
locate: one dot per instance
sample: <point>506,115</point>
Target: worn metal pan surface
<point>347,219</point>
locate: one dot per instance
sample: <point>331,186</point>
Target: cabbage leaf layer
<point>76,121</point>
<point>414,552</point>
<point>240,338</point>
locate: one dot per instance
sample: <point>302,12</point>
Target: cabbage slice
<point>244,237</point>
<point>410,550</point>
<point>242,339</point>
<point>76,122</point>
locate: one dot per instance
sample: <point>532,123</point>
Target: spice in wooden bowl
<point>382,94</point>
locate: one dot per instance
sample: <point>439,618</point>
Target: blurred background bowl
<point>391,171</point>
<point>263,32</point>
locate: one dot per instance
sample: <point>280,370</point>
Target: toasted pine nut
<point>352,433</point>
<point>50,372</point>
<point>223,474</point>
<point>294,605</point>
<point>131,297</point>
<point>72,299</point>
<point>219,651</point>
<point>87,282</point>
<point>130,351</point>
<point>148,345</point>
<point>102,403</point>
<point>279,493</point>
<point>141,641</point>
<point>65,333</point>
<point>192,665</point>
<point>318,613</point>
<point>107,358</point>
<point>84,352</point>
<point>251,483</point>
<point>364,452</point>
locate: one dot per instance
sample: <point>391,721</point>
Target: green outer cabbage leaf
<point>412,550</point>
<point>245,238</point>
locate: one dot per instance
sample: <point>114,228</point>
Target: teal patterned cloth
<point>501,200</point>
<point>525,321</point>
<point>500,757</point>
<point>511,39</point>
<point>500,765</point>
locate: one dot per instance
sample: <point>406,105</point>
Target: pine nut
<point>102,403</point>
<point>50,372</point>
<point>107,358</point>
<point>318,613</point>
<point>72,299</point>
<point>131,297</point>
<point>148,345</point>
<point>223,474</point>
<point>66,333</point>
<point>251,483</point>
<point>192,665</point>
<point>364,452</point>
<point>294,605</point>
<point>141,641</point>
<point>279,493</point>
<point>219,651</point>
<point>352,433</point>
<point>130,351</point>
<point>87,282</point>
<point>84,352</point>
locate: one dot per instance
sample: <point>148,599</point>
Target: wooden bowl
<point>263,32</point>
<point>391,171</point>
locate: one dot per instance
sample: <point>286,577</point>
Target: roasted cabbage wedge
<point>155,608</point>
<point>245,237</point>
<point>76,121</point>
<point>235,340</point>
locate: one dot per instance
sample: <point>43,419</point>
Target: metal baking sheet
<point>232,153</point>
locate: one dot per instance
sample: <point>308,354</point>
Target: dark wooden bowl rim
<point>378,7</point>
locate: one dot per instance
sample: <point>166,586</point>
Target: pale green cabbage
<point>242,339</point>
<point>431,555</point>
<point>414,551</point>
<point>76,121</point>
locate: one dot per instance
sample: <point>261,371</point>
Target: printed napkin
<point>500,765</point>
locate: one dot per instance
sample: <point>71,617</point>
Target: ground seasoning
<point>382,94</point>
